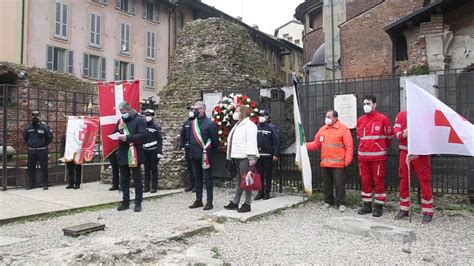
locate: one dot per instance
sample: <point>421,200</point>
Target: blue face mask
<point>125,116</point>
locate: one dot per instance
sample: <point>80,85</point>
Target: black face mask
<point>35,120</point>
<point>196,114</point>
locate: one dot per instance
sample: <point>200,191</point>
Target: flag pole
<point>409,187</point>
<point>295,86</point>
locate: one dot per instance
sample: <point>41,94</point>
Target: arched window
<point>401,53</point>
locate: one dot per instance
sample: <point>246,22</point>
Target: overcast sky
<point>267,14</point>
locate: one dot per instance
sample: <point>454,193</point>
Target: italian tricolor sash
<point>132,151</point>
<point>197,135</point>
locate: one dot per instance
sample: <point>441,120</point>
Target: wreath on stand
<point>223,111</point>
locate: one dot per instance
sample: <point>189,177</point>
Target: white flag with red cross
<point>110,95</point>
<point>433,127</point>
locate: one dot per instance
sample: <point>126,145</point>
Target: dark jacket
<point>153,137</point>
<point>37,136</point>
<point>137,127</point>
<point>208,131</point>
<point>268,139</point>
<point>186,132</point>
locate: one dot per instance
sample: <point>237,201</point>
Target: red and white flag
<point>434,128</point>
<point>81,135</point>
<point>110,95</point>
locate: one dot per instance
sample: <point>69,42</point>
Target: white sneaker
<point>326,206</point>
<point>342,208</point>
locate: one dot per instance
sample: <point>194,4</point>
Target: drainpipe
<point>173,11</point>
<point>332,42</point>
<point>22,30</point>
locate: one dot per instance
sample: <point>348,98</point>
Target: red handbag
<point>251,181</point>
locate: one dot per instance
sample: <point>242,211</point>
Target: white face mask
<point>236,116</point>
<point>367,109</point>
<point>328,121</point>
<point>191,114</point>
<point>262,119</point>
<point>148,118</point>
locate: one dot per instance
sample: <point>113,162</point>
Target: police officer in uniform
<point>185,135</point>
<point>153,147</point>
<point>268,141</point>
<point>37,136</point>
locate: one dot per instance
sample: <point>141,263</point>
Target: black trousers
<point>201,177</point>
<point>74,172</point>
<point>330,177</point>
<point>191,182</point>
<point>40,156</point>
<point>115,169</point>
<point>264,168</point>
<point>151,168</point>
<point>125,183</point>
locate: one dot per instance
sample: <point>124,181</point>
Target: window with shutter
<point>85,66</point>
<point>61,13</point>
<point>49,56</point>
<point>132,72</point>
<point>95,30</point>
<point>124,38</point>
<point>116,70</point>
<point>103,69</point>
<point>70,61</point>
<point>150,41</point>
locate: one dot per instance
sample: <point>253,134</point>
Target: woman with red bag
<point>242,150</point>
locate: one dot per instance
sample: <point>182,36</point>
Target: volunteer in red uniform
<point>422,166</point>
<point>337,148</point>
<point>374,133</point>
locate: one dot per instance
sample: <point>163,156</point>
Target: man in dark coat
<point>115,171</point>
<point>37,136</point>
<point>268,141</point>
<point>132,134</point>
<point>153,146</point>
<point>184,137</point>
<point>203,144</point>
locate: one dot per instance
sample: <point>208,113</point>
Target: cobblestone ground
<point>293,236</point>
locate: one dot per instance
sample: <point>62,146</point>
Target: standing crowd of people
<point>250,147</point>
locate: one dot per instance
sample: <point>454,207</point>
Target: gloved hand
<point>159,156</point>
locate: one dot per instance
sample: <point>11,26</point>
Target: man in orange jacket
<point>374,133</point>
<point>422,166</point>
<point>337,149</point>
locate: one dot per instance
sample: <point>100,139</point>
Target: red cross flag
<point>110,95</point>
<point>434,128</point>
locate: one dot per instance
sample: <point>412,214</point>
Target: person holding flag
<point>337,148</point>
<point>422,166</point>
<point>130,155</point>
<point>74,171</point>
<point>374,133</point>
<point>203,144</point>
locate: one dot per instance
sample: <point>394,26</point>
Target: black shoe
<point>266,196</point>
<point>426,219</point>
<point>188,189</point>
<point>231,206</point>
<point>366,208</point>
<point>45,188</point>
<point>69,186</point>
<point>378,210</point>
<point>244,208</point>
<point>196,204</point>
<point>123,207</point>
<point>114,188</point>
<point>137,208</point>
<point>147,189</point>
<point>29,187</point>
<point>194,190</point>
<point>208,206</point>
<point>77,187</point>
<point>154,190</point>
<point>259,196</point>
<point>401,214</point>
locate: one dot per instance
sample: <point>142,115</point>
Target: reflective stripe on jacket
<point>375,136</point>
<point>336,144</point>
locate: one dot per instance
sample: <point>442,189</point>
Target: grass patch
<point>316,197</point>
<point>452,207</point>
<point>221,220</point>
<point>352,201</point>
<point>278,211</point>
<point>217,254</point>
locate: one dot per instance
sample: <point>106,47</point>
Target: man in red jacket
<point>422,166</point>
<point>374,133</point>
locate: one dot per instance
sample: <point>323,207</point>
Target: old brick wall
<point>356,7</point>
<point>314,40</point>
<point>212,55</point>
<point>53,94</point>
<point>366,50</point>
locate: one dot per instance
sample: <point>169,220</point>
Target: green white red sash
<point>132,151</point>
<point>197,135</point>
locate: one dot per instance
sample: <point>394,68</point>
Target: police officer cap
<point>149,112</point>
<point>264,113</point>
<point>35,113</point>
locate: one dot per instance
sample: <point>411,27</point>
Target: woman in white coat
<point>242,149</point>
